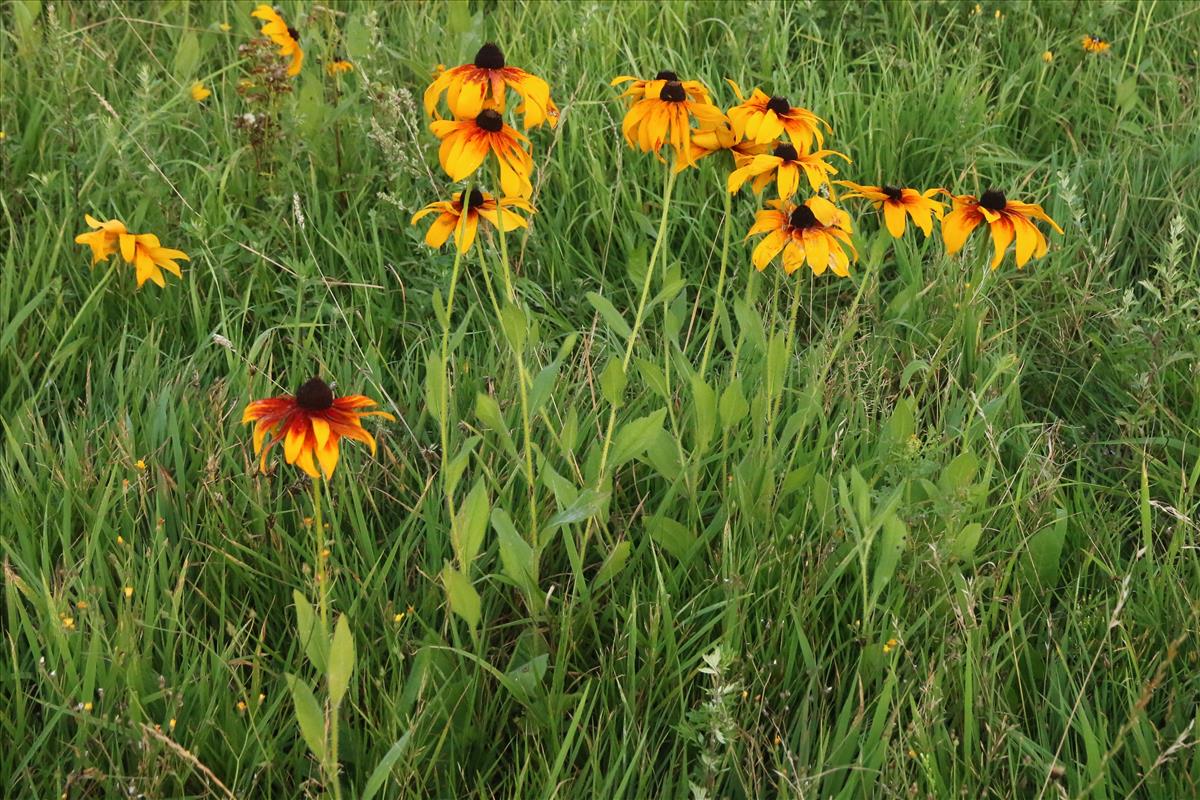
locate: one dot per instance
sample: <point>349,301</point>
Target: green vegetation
<point>934,537</point>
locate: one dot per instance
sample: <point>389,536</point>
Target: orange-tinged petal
<point>957,226</point>
<point>893,217</point>
<point>328,456</point>
<point>1002,236</point>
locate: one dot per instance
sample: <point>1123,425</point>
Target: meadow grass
<point>936,537</point>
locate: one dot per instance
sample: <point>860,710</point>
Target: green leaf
<point>1045,552</point>
<point>612,317</point>
<point>612,565</point>
<point>964,544</point>
<point>461,595</point>
<point>750,322</point>
<point>312,638</point>
<point>635,436</point>
<point>435,379</point>
<point>588,504</point>
<point>733,406</point>
<point>542,386</point>
<point>458,464</point>
<point>675,538</point>
<point>777,359</point>
<point>959,473</point>
<point>514,323</point>
<point>487,410</point>
<point>341,660</point>
<point>613,380</point>
<point>652,375</point>
<point>472,519</point>
<point>383,768</point>
<point>308,715</point>
<point>187,57</point>
<point>517,558</point>
<point>704,407</point>
<point>891,547</point>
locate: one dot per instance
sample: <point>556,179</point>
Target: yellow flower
<point>785,165</point>
<point>225,27</point>
<point>275,29</point>
<point>149,258</point>
<point>1006,219</point>
<point>1094,44</point>
<point>200,93</point>
<point>128,592</point>
<point>640,89</point>
<point>140,464</point>
<point>479,205</point>
<point>339,66</point>
<point>467,142</point>
<point>104,238</point>
<point>816,232</point>
<point>470,88</point>
<point>722,137</point>
<point>764,119</point>
<point>665,117</point>
<point>1047,56</point>
<point>897,203</point>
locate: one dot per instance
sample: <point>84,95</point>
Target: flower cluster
<point>477,97</point>
<point>774,142</point>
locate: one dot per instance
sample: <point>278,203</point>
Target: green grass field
<point>934,536</point>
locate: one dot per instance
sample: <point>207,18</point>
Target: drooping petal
<point>957,226</point>
<point>893,217</point>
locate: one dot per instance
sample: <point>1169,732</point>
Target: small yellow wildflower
<point>1048,56</point>
<point>338,66</point>
<point>171,724</point>
<point>120,539</point>
<point>890,645</point>
<point>128,592</point>
<point>200,92</point>
<point>68,621</point>
<point>1095,44</point>
<point>241,706</point>
<point>225,27</point>
<point>87,706</point>
<point>325,553</point>
<point>81,604</point>
<point>998,14</point>
<point>140,464</point>
<point>261,697</point>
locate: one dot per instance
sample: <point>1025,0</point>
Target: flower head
<point>470,88</point>
<point>897,203</point>
<point>785,165</point>
<point>1048,56</point>
<point>640,89</point>
<point>763,119</point>
<point>1008,220</point>
<point>721,138</point>
<point>339,66</point>
<point>1094,44</point>
<point>479,205</point>
<point>467,142</point>
<point>143,250</point>
<point>200,92</point>
<point>310,423</point>
<point>275,29</point>
<point>664,116</point>
<point>815,231</point>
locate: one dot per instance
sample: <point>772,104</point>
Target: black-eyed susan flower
<point>1008,220</point>
<point>721,138</point>
<point>480,205</point>
<point>200,92</point>
<point>467,142</point>
<point>142,250</point>
<point>310,424</point>
<point>901,202</point>
<point>761,118</point>
<point>339,66</point>
<point>815,232</point>
<point>639,89</point>
<point>470,88</point>
<point>785,165</point>
<point>1094,44</point>
<point>666,118</point>
<point>275,29</point>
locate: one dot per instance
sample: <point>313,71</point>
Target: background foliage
<point>960,562</point>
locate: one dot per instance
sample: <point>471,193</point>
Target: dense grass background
<point>148,616</point>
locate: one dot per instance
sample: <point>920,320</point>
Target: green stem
<point>719,301</point>
<point>444,394</point>
<point>322,574</point>
<point>668,185</point>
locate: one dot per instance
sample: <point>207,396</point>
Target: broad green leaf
<point>704,408</point>
<point>512,320</point>
<point>461,595</point>
<point>635,436</point>
<point>308,715</point>
<point>612,381</point>
<point>750,323</point>
<point>675,538</point>
<point>187,57</point>
<point>542,386</point>
<point>472,525</point>
<point>588,504</point>
<point>959,473</point>
<point>383,768</point>
<point>488,412</point>
<point>435,379</point>
<point>964,544</point>
<point>314,640</point>
<point>517,558</point>
<point>612,565</point>
<point>1045,552</point>
<point>341,660</point>
<point>611,316</point>
<point>653,376</point>
<point>889,549</point>
<point>458,464</point>
<point>733,405</point>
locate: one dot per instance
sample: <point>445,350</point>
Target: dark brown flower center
<point>993,200</point>
<point>673,92</point>
<point>802,217</point>
<point>779,105</point>
<point>666,75</point>
<point>893,192</point>
<point>295,34</point>
<point>314,395</point>
<point>785,151</point>
<point>490,121</point>
<point>489,57</point>
<point>474,199</point>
